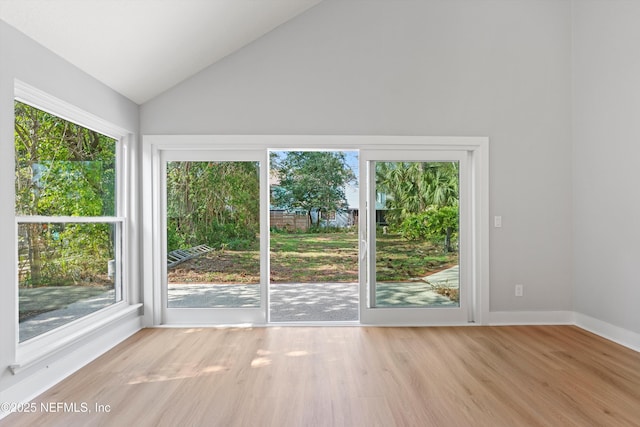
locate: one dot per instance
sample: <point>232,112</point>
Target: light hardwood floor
<point>354,376</point>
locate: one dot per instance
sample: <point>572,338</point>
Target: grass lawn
<point>398,259</point>
<point>315,257</point>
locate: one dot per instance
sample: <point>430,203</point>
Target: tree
<point>311,181</point>
<point>62,169</point>
<point>437,224</point>
<point>422,198</point>
<point>215,203</point>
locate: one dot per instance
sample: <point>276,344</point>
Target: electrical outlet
<point>519,290</point>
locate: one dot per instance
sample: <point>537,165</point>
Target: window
<point>69,231</point>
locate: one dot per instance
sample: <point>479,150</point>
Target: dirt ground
<point>243,267</point>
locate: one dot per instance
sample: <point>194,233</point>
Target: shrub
<point>439,225</point>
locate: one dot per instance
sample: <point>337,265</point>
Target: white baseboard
<point>46,375</point>
<point>531,318</point>
<point>606,330</point>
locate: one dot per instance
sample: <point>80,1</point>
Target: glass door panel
<point>415,237</point>
<point>313,236</point>
<point>213,234</point>
<point>417,224</point>
<point>213,223</point>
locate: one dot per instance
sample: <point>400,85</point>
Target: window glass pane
<point>213,230</point>
<point>62,169</point>
<point>313,250</point>
<point>417,223</point>
<point>66,271</point>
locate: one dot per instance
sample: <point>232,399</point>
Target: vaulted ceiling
<point>141,48</point>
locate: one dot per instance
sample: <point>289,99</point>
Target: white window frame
<point>477,149</point>
<point>37,348</point>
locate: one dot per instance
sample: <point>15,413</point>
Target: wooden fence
<point>289,221</point>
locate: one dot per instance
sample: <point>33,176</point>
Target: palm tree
<point>423,189</point>
<point>414,187</point>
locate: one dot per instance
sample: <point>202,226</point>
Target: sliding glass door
<point>406,231</point>
<point>214,220</point>
<point>415,237</point>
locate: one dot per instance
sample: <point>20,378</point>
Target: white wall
<point>606,128</point>
<point>27,61</point>
<point>429,67</point>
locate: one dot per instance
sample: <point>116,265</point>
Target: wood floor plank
<point>354,376</point>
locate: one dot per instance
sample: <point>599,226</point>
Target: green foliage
<point>437,224</point>
<point>62,169</point>
<point>414,226</point>
<point>175,239</point>
<point>421,199</point>
<point>329,229</point>
<point>84,254</point>
<point>230,236</point>
<point>311,181</point>
<point>213,203</point>
<point>69,254</point>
